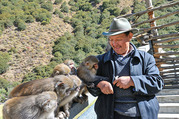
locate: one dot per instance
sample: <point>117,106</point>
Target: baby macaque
<point>40,106</point>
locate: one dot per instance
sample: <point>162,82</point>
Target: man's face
<point>120,43</point>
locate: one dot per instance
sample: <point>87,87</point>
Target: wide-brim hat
<point>118,26</point>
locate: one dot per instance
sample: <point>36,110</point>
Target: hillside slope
<point>33,46</point>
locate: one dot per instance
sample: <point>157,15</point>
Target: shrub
<point>4,83</point>
<point>48,6</point>
<point>5,88</point>
<point>29,19</point>
<point>125,10</point>
<point>21,25</point>
<point>8,23</point>
<point>57,12</point>
<point>41,15</point>
<point>65,9</point>
<point>57,2</point>
<point>4,59</point>
<point>67,19</point>
<point>61,15</point>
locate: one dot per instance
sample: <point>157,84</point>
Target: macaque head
<point>91,62</point>
<point>63,85</point>
<point>71,65</point>
<point>47,101</point>
<point>61,69</point>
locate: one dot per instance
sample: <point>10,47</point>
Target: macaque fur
<point>59,84</point>
<point>40,106</point>
<point>86,72</point>
<point>61,69</point>
<point>87,69</point>
<point>67,100</point>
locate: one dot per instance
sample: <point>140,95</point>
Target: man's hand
<point>123,82</point>
<point>105,87</point>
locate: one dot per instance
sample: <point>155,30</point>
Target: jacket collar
<point>108,55</point>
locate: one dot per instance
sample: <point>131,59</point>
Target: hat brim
<point>133,30</point>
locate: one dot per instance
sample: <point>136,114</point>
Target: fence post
<point>152,24</point>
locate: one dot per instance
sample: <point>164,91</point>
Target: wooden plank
<point>172,80</point>
<point>167,59</point>
<point>157,18</point>
<point>171,87</point>
<point>144,30</point>
<point>164,36</point>
<point>169,67</point>
<point>149,10</point>
<point>167,62</point>
<point>170,76</point>
<point>166,46</point>
<point>166,54</point>
<point>166,40</point>
<point>169,71</point>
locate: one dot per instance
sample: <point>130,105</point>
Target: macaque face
<point>49,105</point>
<point>95,66</point>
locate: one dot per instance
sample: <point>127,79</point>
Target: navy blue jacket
<point>146,78</point>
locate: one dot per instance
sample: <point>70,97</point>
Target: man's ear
<point>130,35</point>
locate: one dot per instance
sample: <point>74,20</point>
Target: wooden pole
<point>152,24</point>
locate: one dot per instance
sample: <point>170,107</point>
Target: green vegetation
<point>4,59</point>
<point>19,12</point>
<point>5,88</point>
<point>88,23</point>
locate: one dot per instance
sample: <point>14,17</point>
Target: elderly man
<point>133,78</point>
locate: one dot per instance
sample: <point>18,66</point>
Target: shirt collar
<point>131,49</point>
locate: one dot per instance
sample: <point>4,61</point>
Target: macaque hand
<point>105,87</point>
<point>123,82</point>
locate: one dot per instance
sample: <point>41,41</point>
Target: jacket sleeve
<point>150,82</point>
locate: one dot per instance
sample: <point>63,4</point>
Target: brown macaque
<point>61,69</point>
<point>40,106</point>
<point>65,103</point>
<point>75,79</point>
<point>87,69</point>
<point>71,65</point>
<point>60,85</point>
<point>87,73</point>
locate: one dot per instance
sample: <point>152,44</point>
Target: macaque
<point>71,65</point>
<point>60,85</point>
<point>87,69</point>
<point>65,103</point>
<point>61,69</point>
<point>40,106</point>
<point>87,73</point>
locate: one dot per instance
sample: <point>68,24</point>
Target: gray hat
<point>118,26</point>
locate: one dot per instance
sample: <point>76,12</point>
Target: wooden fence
<point>167,61</point>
